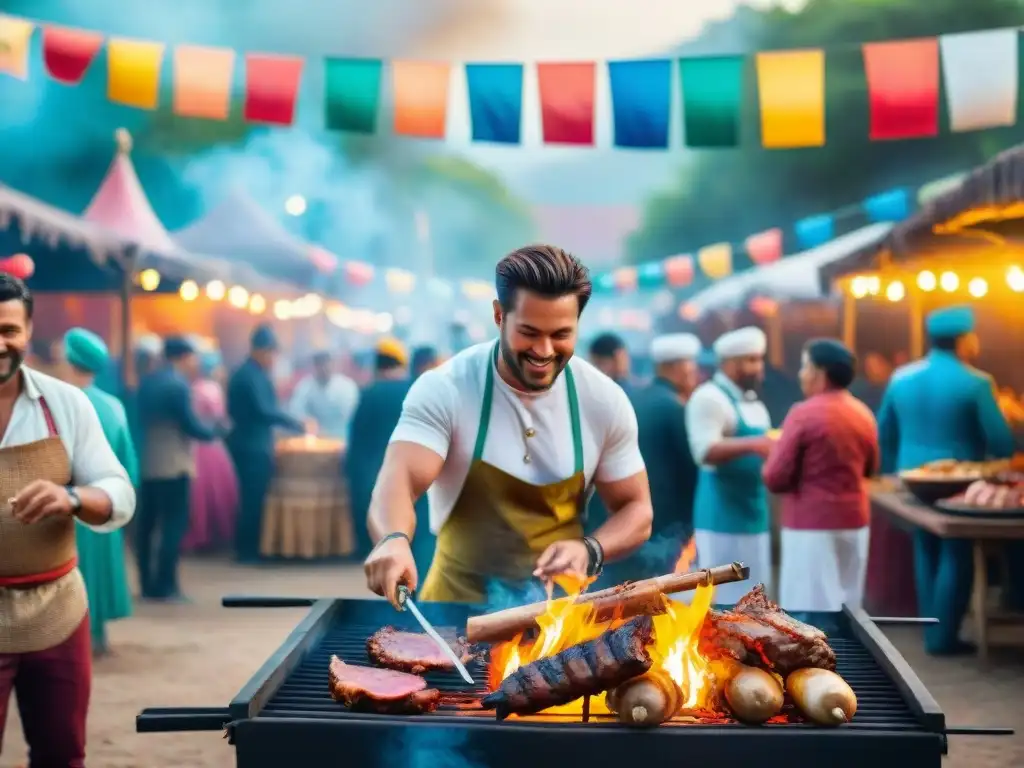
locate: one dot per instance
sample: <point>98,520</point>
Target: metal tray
<point>952,507</point>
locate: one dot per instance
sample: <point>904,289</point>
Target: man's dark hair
<point>542,269</point>
<point>423,356</point>
<point>945,343</point>
<point>606,345</point>
<point>835,359</point>
<point>382,362</point>
<point>14,289</point>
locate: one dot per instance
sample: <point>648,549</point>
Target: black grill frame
<point>275,720</point>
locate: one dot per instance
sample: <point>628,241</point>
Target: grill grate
<point>304,692</point>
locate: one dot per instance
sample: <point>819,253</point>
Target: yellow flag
<point>15,36</point>
<point>133,72</point>
<point>715,260</point>
<point>791,91</point>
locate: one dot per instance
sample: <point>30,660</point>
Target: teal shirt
<point>114,422</point>
<point>940,408</point>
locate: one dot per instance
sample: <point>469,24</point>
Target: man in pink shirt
<point>820,465</point>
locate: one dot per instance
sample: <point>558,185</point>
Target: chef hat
<point>85,350</point>
<point>950,322</point>
<point>674,346</point>
<point>149,344</point>
<point>394,349</point>
<point>741,342</point>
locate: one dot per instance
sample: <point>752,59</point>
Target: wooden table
<point>987,534</point>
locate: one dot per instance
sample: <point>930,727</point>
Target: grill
<point>285,715</point>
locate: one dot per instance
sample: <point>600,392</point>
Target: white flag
<point>979,71</point>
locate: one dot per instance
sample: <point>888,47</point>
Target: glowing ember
<point>675,650</point>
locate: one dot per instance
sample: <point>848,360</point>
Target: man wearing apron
<point>55,467</point>
<point>727,426</point>
<point>508,447</point>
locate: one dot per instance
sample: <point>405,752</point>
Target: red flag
<point>903,88</point>
<point>67,53</point>
<point>358,272</point>
<point>678,271</point>
<point>271,88</point>
<point>567,102</point>
<point>765,247</point>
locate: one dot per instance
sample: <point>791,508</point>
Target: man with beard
<point>727,426</point>
<point>943,408</point>
<point>56,469</point>
<point>508,437</point>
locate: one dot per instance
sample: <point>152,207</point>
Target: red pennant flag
<point>678,271</point>
<point>567,102</point>
<point>903,88</point>
<point>271,88</point>
<point>358,272</point>
<point>67,53</point>
<point>765,247</point>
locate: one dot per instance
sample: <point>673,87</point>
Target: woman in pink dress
<point>215,486</point>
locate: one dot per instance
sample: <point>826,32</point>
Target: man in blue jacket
<point>942,408</point>
<point>254,411</point>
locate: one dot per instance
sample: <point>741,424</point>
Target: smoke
<point>431,747</point>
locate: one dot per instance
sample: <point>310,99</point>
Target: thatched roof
<point>996,185</point>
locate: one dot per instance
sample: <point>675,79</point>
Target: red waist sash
<point>38,579</point>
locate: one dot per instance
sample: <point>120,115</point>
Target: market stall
<point>307,514</point>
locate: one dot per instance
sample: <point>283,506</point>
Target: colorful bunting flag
<point>625,279</point>
<point>67,53</point>
<point>712,97</point>
<point>650,275</point>
<point>641,102</point>
<point>903,88</point>
<point>980,72</point>
<point>791,92</point>
<point>15,41</point>
<point>352,94</point>
<point>495,102</point>
<point>715,260</point>
<point>133,72</point>
<point>420,92</point>
<point>271,88</point>
<point>567,102</point>
<point>764,247</point>
<point>815,230</point>
<point>893,205</point>
<point>678,270</point>
<point>202,81</point>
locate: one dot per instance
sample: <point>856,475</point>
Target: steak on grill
<point>759,633</point>
<point>412,652</point>
<point>383,691</point>
<point>585,669</point>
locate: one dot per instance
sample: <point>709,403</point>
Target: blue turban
<point>85,350</point>
<point>263,338</point>
<point>209,362</point>
<point>950,322</point>
<point>177,346</point>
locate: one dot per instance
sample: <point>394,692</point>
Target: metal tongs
<point>405,601</point>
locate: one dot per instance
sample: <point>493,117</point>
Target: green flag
<point>712,97</point>
<point>351,94</point>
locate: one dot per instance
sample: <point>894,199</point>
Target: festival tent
<point>240,230</point>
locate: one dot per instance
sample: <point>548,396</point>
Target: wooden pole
<point>849,321</point>
<point>127,289</point>
<point>629,599</point>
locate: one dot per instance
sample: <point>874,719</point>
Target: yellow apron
<point>500,524</point>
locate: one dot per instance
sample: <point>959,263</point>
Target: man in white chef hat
<point>728,426</point>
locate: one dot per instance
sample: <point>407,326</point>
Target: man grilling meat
<point>56,467</point>
<point>508,437</point>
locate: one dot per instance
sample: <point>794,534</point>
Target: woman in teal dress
<point>101,556</point>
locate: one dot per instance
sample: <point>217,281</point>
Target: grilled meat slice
<point>585,669</point>
<point>759,633</point>
<point>383,691</point>
<point>412,652</point>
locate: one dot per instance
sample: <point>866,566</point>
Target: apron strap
<point>574,414</point>
<point>51,424</point>
<point>740,421</point>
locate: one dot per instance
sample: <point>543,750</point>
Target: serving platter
<point>961,509</point>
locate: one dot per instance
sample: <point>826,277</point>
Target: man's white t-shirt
<point>442,413</point>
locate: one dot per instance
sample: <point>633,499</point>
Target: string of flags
<point>716,261</point>
<point>977,72</point>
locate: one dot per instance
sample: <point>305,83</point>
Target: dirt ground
<point>202,654</point>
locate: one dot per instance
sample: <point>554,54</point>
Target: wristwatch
<point>596,552</point>
<point>76,500</point>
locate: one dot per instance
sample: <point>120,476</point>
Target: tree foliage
<point>724,195</point>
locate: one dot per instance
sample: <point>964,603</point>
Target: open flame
<point>675,651</point>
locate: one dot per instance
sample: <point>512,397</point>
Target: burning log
<point>624,601</point>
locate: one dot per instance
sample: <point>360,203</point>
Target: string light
<point>149,279</point>
<point>1015,279</point>
<point>238,297</point>
<point>295,205</point>
<point>874,285</point>
<point>257,304</point>
<point>926,281</point>
<point>949,282</point>
<point>977,287</point>
<point>215,290</point>
<point>189,290</point>
<point>282,309</point>
<point>859,287</point>
<point>895,291</point>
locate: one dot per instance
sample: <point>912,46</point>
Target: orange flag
<point>133,72</point>
<point>15,38</point>
<point>421,98</point>
<point>202,81</point>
